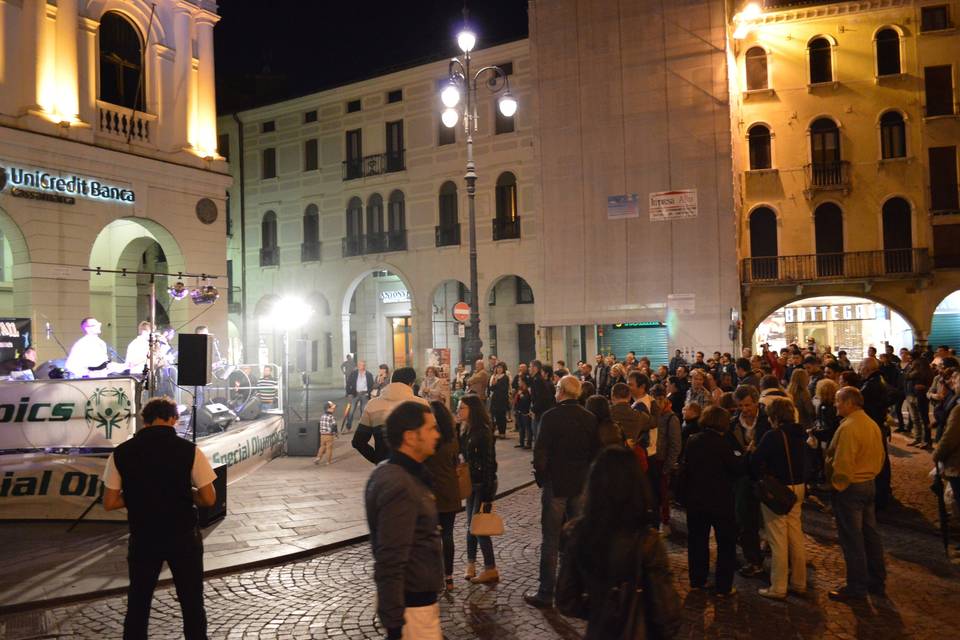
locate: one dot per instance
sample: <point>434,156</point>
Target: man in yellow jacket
<point>853,460</point>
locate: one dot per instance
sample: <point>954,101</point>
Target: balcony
<point>506,229</point>
<point>776,270</point>
<point>827,176</point>
<point>269,256</point>
<point>447,236</point>
<point>125,125</point>
<point>374,165</point>
<point>310,252</point>
<point>377,242</point>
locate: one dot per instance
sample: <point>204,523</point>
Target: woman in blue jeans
<point>479,452</point>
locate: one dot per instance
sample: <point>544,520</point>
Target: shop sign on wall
<point>59,187</point>
<point>398,295</point>
<point>623,206</point>
<point>673,205</point>
<point>828,312</point>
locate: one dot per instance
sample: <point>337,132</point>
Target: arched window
<point>893,135</point>
<point>828,230</point>
<point>821,60</point>
<point>397,222</point>
<point>759,138</point>
<point>121,61</point>
<point>888,52</point>
<point>375,239</point>
<point>507,223</point>
<point>897,236</point>
<point>352,243</point>
<point>310,249</point>
<point>756,63</point>
<point>763,244</point>
<point>269,252</point>
<point>448,231</point>
<point>826,170</point>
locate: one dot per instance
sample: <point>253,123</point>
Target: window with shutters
<point>938,88</point>
<point>893,135</point>
<point>756,65</point>
<point>888,52</point>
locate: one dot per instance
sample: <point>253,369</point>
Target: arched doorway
<point>945,329</point>
<point>510,332</point>
<point>14,301</point>
<point>121,301</point>
<point>377,316</point>
<point>844,323</point>
<point>445,330</point>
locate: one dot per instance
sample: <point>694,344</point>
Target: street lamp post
<point>464,81</point>
<point>288,314</point>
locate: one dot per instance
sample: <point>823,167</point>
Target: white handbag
<point>486,524</point>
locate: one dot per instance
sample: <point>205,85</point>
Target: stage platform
<point>278,510</point>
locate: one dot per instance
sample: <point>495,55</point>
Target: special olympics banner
<point>47,414</point>
<point>246,450</point>
<point>40,486</point>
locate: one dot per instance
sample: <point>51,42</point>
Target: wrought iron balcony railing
<point>828,176</point>
<point>377,242</point>
<point>310,252</point>
<point>447,236</point>
<point>269,256</point>
<point>856,264</point>
<point>374,165</point>
<point>506,229</point>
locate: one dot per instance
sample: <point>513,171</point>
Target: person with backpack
<point>614,571</point>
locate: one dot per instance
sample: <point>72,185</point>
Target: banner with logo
<point>14,337</point>
<point>37,486</point>
<point>46,414</point>
<point>246,450</point>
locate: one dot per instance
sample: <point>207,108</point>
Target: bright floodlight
<point>752,11</point>
<point>507,104</point>
<point>289,313</point>
<point>741,32</point>
<point>449,118</point>
<point>466,39</point>
<point>450,96</point>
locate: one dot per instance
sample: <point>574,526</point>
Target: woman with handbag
<point>479,452</point>
<point>779,463</point>
<point>442,465</point>
<point>614,571</point>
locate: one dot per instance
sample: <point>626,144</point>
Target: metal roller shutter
<point>945,330</point>
<point>649,341</point>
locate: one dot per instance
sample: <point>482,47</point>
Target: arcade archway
<point>13,253</point>
<point>847,323</point>
<point>377,317</point>
<point>510,332</point>
<point>444,329</point>
<point>945,329</point>
<point>121,301</point>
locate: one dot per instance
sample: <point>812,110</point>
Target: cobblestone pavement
<point>331,596</point>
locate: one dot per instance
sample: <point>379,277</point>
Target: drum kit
<point>231,386</point>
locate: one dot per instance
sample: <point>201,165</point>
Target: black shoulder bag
<point>775,495</point>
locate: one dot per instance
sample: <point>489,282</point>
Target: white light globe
<point>466,39</point>
<point>450,96</point>
<point>449,118</point>
<point>508,105</point>
<point>752,11</point>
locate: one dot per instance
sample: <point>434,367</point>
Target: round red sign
<point>461,312</point>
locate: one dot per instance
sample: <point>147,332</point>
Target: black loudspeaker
<point>194,360</point>
<point>214,418</point>
<point>250,409</point>
<point>303,438</point>
<point>209,515</point>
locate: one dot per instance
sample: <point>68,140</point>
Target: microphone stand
<point>53,334</point>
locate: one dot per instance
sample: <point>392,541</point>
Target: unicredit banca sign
<point>63,188</point>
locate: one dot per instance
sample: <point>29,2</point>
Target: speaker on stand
<point>194,361</point>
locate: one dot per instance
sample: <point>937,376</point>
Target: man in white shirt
<point>138,351</point>
<point>89,352</point>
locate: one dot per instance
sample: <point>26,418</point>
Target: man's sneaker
<point>773,595</point>
<point>534,600</point>
<point>488,575</point>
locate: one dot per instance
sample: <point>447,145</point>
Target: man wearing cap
<point>328,432</point>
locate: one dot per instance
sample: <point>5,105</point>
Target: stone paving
<point>331,595</point>
<point>289,507</point>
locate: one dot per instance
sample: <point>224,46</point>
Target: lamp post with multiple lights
<point>459,99</point>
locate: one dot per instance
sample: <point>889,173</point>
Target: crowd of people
<point>740,443</point>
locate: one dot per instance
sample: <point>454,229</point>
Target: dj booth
<point>56,435</point>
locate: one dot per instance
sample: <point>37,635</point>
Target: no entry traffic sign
<point>461,312</point>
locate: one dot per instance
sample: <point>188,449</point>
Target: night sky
<point>270,50</point>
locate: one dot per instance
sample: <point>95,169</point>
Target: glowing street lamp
<point>287,314</point>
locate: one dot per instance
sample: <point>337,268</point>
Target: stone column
<point>67,103</point>
<point>205,131</point>
<point>178,118</point>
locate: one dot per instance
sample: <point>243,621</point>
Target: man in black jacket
<point>562,454</point>
<point>875,401</point>
<point>541,393</point>
<point>402,516</point>
<point>359,386</point>
<point>747,428</point>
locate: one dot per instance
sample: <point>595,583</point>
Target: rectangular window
<point>353,342</point>
<point>492,343</point>
<point>506,67</point>
<point>310,116</point>
<point>395,146</point>
<point>311,155</point>
<point>934,18</point>
<point>223,145</point>
<point>353,106</point>
<point>354,154</point>
<point>943,179</point>
<point>502,123</point>
<point>946,246</point>
<point>269,168</point>
<point>938,85</point>
<point>229,281</point>
<point>268,127</point>
<point>445,134</point>
<point>395,96</point>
